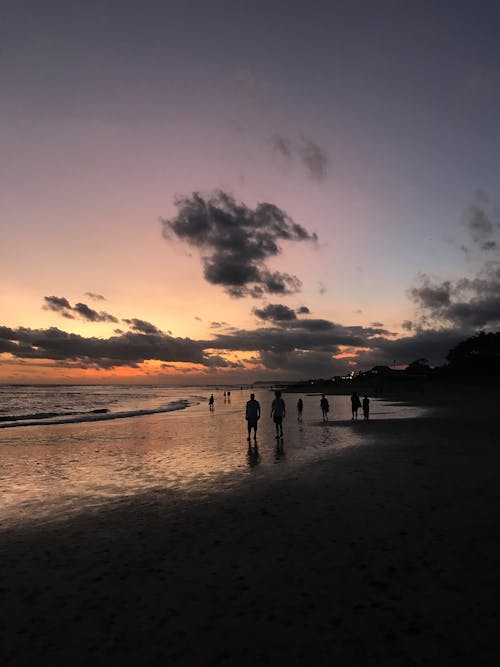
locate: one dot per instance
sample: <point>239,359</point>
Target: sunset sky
<point>229,191</point>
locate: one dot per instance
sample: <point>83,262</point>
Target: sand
<point>387,554</point>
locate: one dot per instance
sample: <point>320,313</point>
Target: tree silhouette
<point>478,355</point>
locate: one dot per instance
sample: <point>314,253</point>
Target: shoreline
<point>386,553</point>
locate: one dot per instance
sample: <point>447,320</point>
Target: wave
<point>100,414</point>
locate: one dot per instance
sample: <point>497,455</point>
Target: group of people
<point>356,403</point>
<point>278,411</point>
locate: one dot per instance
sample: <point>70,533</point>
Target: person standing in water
<point>211,403</point>
<point>278,413</point>
<point>252,415</point>
<point>300,407</point>
<point>355,404</point>
<point>366,407</point>
<point>325,407</point>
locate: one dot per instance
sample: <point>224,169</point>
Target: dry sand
<point>387,554</point>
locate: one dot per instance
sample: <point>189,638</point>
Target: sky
<point>229,191</point>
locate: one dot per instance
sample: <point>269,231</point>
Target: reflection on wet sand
<point>57,471</point>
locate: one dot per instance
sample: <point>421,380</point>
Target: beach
<point>360,543</point>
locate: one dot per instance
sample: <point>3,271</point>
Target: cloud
<point>483,230</point>
<point>283,146</point>
<point>235,242</point>
<point>275,312</point>
<point>293,347</point>
<point>312,157</point>
<point>127,349</point>
<point>429,295</point>
<point>94,296</point>
<point>59,305</point>
<point>91,315</point>
<point>303,310</point>
<point>62,306</point>
<point>142,326</point>
<point>467,303</point>
<point>471,302</point>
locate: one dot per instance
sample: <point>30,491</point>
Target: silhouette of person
<point>325,407</point>
<point>252,415</point>
<point>224,397</point>
<point>211,402</point>
<point>229,397</point>
<point>366,407</point>
<point>355,404</point>
<point>300,407</point>
<point>278,412</point>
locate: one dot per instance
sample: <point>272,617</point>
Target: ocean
<point>35,405</point>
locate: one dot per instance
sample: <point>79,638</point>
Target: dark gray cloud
<point>94,296</point>
<point>283,146</point>
<point>482,226</point>
<point>314,158</point>
<point>275,312</point>
<point>58,304</point>
<point>126,349</point>
<point>62,306</point>
<point>290,335</point>
<point>92,315</point>
<point>431,344</point>
<point>303,364</point>
<point>216,361</point>
<point>235,242</point>
<point>296,348</point>
<point>142,326</point>
<point>431,295</point>
<point>303,310</point>
<point>306,151</point>
<point>465,303</point>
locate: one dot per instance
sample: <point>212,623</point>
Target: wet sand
<point>385,554</point>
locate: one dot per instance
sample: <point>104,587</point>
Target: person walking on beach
<point>252,415</point>
<point>325,407</point>
<point>366,407</point>
<point>355,404</point>
<point>278,412</point>
<point>300,407</point>
<point>211,403</point>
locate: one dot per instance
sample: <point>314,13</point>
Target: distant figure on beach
<point>224,397</point>
<point>300,407</point>
<point>211,402</point>
<point>325,407</point>
<point>355,404</point>
<point>252,415</point>
<point>366,407</point>
<point>278,412</point>
<point>229,397</point>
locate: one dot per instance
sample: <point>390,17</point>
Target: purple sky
<point>345,156</point>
